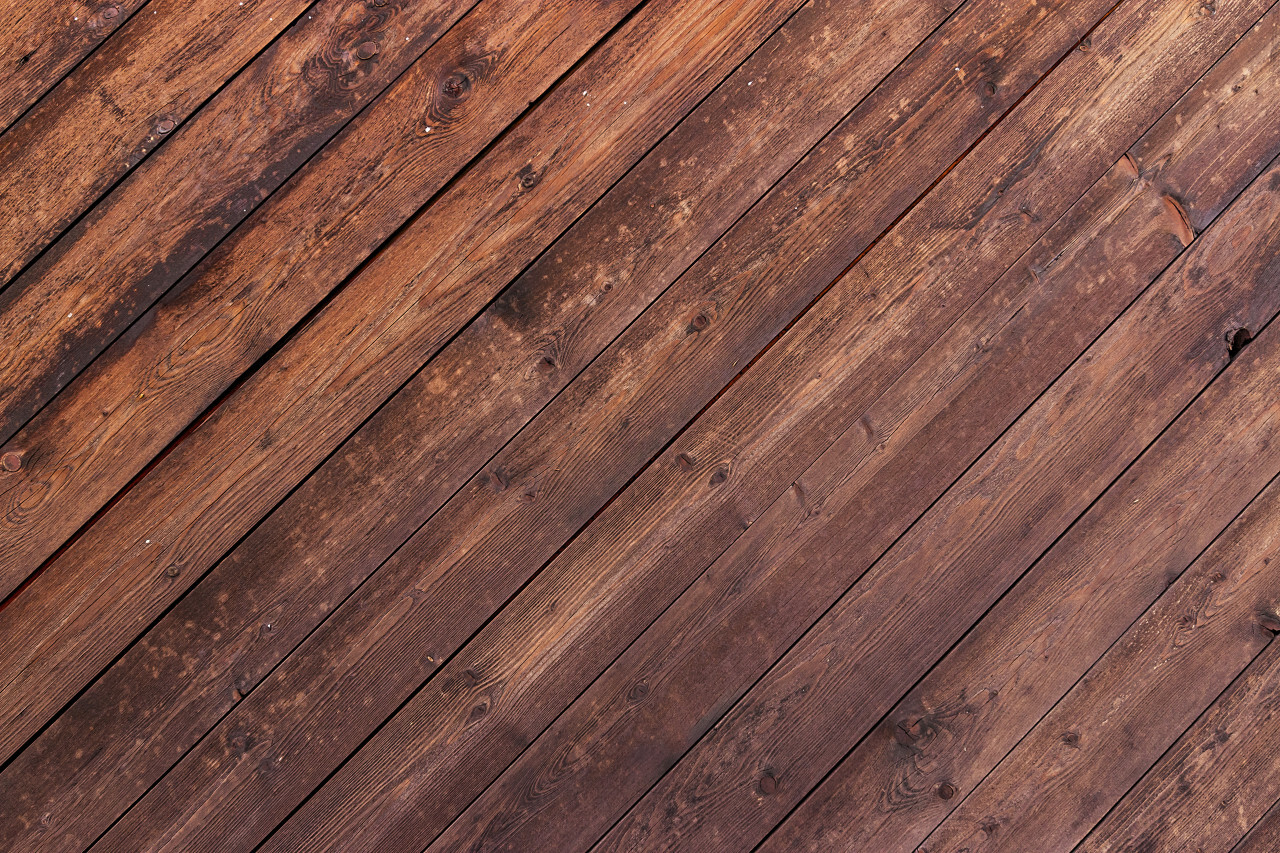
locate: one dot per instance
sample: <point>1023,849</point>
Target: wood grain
<point>38,45</point>
<point>882,796</point>
<point>1265,835</point>
<point>229,473</point>
<point>846,671</point>
<point>947,408</point>
<point>212,172</point>
<point>121,103</point>
<point>534,654</point>
<point>1134,702</point>
<point>177,360</point>
<point>1216,781</point>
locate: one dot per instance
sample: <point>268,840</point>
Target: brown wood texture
<point>639,425</point>
<point>238,302</point>
<point>516,654</point>
<point>38,47</point>
<point>90,584</point>
<point>212,172</point>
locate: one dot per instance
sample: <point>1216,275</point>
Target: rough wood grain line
<point>1133,703</point>
<point>38,46</point>
<point>176,360</point>
<point>1265,835</point>
<point>216,169</point>
<point>1216,781</point>
<point>883,796</point>
<point>792,726</point>
<point>88,605</point>
<point>947,408</point>
<point>672,338</point>
<point>501,691</point>
<point>121,103</point>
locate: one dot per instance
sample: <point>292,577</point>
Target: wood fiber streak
<point>150,384</point>
<point>39,45</point>
<point>109,114</point>
<point>532,652</point>
<point>1265,835</point>
<point>368,500</point>
<point>882,797</point>
<point>1219,778</point>
<point>214,170</point>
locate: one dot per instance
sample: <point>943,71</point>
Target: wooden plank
<point>184,352</point>
<point>797,721</point>
<point>1265,835</point>
<point>212,172</point>
<point>478,501</point>
<point>1216,781</point>
<point>68,623</point>
<point>883,796</point>
<point>39,48</point>
<point>121,103</point>
<point>946,408</point>
<point>501,690</point>
<point>1133,703</point>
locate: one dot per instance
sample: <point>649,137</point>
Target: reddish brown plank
<point>1134,702</point>
<point>176,361</point>
<point>946,408</point>
<point>39,44</point>
<point>122,102</point>
<point>1217,780</point>
<point>794,725</point>
<point>226,475</point>
<point>1265,835</point>
<point>213,171</point>
<point>501,689</point>
<point>883,796</point>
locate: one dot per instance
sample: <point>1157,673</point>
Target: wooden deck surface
<point>640,425</point>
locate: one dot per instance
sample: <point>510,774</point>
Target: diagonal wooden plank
<point>90,603</point>
<point>946,408</point>
<point>883,796</point>
<point>536,654</point>
<point>932,77</point>
<point>1171,664</point>
<point>119,105</point>
<point>1264,837</point>
<point>38,48</point>
<point>212,172</point>
<point>796,722</point>
<point>1218,779</point>
<point>228,311</point>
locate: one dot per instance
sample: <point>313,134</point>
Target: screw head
<point>165,125</point>
<point>11,462</point>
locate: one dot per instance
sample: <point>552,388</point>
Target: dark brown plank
<point>228,474</point>
<point>1218,779</point>
<point>1131,705</point>
<point>502,689</point>
<point>39,45</point>
<point>122,102</point>
<point>140,394</point>
<point>883,796</point>
<point>946,408</point>
<point>795,724</point>
<point>479,502</point>
<point>1265,835</point>
<point>212,172</point>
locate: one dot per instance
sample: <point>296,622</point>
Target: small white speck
<point>148,541</point>
<point>428,130</point>
<point>68,316</point>
<point>584,93</point>
<point>406,38</point>
<point>749,82</point>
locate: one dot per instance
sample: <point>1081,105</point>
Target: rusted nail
<point>946,790</point>
<point>768,784</point>
<point>172,571</point>
<point>11,462</point>
<point>165,125</point>
<point>368,50</point>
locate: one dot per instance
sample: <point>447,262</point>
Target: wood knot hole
<point>368,50</point>
<point>1237,340</point>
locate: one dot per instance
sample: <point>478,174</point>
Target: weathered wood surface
<point>883,796</point>
<point>210,503</point>
<point>1220,777</point>
<point>228,311</point>
<point>533,456</point>
<point>589,591</point>
<point>1133,703</point>
<point>38,46</point>
<point>212,172</point>
<point>1264,837</point>
<point>122,102</point>
<point>818,700</point>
